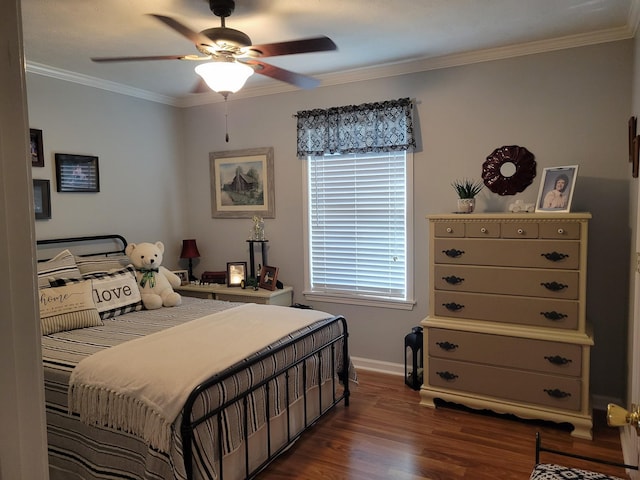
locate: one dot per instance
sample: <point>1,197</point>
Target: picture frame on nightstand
<point>268,277</point>
<point>183,275</point>
<point>236,273</point>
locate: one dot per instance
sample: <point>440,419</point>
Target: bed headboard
<point>112,244</point>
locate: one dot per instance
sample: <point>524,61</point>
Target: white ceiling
<point>62,35</point>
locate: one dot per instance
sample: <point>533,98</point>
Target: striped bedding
<point>79,451</point>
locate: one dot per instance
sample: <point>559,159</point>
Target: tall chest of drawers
<point>507,328</point>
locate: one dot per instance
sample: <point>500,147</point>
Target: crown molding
<point>366,73</point>
<point>67,76</point>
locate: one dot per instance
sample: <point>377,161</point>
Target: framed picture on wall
<point>42,199</point>
<point>77,173</point>
<point>556,189</point>
<point>242,183</point>
<point>37,150</point>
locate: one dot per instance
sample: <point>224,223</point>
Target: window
<point>359,223</point>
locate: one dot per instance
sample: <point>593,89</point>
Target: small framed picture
<point>77,173</point>
<point>556,189</point>
<point>42,199</point>
<point>184,276</point>
<point>268,277</point>
<point>37,151</point>
<point>236,274</point>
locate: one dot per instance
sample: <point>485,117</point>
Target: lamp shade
<point>189,249</point>
<point>224,77</point>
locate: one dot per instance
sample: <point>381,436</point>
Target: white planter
<point>466,205</point>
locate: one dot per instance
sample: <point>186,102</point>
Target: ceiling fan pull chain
<point>226,121</point>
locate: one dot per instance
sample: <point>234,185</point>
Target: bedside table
<point>283,297</point>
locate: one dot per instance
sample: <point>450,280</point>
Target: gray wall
<point>139,150</point>
<point>567,107</point>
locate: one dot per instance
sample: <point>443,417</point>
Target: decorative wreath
<point>524,163</point>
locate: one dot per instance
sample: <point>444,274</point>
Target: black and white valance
<point>370,127</point>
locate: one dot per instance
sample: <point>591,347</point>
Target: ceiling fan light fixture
<point>224,77</point>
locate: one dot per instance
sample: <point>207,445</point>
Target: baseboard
<point>378,366</point>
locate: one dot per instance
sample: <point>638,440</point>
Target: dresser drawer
<point>522,353</point>
<point>510,253</point>
<point>534,311</point>
<point>449,229</point>
<point>507,281</point>
<point>560,230</point>
<point>509,384</point>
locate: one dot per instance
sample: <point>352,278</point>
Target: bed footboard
<point>293,384</point>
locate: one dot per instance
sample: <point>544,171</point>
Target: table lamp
<point>190,251</point>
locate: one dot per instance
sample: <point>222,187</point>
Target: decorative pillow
<point>101,263</point>
<point>63,265</point>
<point>114,293</point>
<point>551,471</point>
<point>67,308</point>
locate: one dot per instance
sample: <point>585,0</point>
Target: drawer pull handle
<point>558,360</point>
<point>453,280</point>
<point>448,346</point>
<point>554,256</point>
<point>448,376</point>
<point>449,230</point>
<point>453,252</point>
<point>560,231</point>
<point>556,393</point>
<point>553,315</point>
<point>453,307</point>
<point>520,231</point>
<point>554,286</point>
<point>483,230</point>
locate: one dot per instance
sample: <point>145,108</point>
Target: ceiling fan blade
<point>308,45</point>
<point>196,37</point>
<point>297,79</point>
<point>136,59</point>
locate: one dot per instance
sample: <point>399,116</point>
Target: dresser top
<point>510,216</point>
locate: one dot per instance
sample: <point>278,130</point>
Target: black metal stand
<point>252,263</point>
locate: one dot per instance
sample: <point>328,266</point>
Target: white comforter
<point>141,386</point>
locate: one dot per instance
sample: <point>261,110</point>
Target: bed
<point>244,381</point>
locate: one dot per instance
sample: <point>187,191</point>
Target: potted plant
<point>467,191</point>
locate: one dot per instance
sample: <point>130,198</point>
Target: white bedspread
<point>141,386</point>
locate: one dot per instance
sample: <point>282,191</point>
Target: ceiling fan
<point>231,58</point>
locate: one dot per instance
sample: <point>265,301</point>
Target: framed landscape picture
<point>242,184</point>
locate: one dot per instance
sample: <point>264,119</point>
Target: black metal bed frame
<point>85,239</point>
<point>189,424</point>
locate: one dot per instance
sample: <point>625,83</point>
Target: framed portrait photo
<point>236,274</point>
<point>268,277</point>
<point>556,189</point>
<point>77,173</point>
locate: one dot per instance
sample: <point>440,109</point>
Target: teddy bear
<point>154,281</point>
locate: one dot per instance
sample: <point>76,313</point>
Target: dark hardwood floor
<point>386,434</point>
